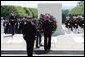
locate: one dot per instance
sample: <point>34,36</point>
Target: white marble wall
<point>56,11</point>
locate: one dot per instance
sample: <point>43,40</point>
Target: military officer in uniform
<point>68,24</point>
<point>16,26</point>
<point>6,26</point>
<point>83,23</point>
<point>20,26</point>
<point>75,25</point>
<point>29,34</point>
<point>39,34</point>
<point>12,20</point>
<point>78,20</point>
<point>80,23</point>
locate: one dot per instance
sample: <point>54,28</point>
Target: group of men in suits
<point>76,25</point>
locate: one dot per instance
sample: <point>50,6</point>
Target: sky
<point>34,4</point>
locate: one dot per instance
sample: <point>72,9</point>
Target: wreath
<point>51,18</point>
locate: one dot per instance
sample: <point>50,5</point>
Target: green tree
<point>81,3</point>
<point>34,12</point>
<point>27,11</point>
<point>77,11</point>
<point>7,9</point>
<point>64,15</point>
<point>19,11</point>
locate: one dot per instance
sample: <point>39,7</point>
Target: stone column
<point>56,11</point>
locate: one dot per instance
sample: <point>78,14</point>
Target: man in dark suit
<point>29,35</point>
<point>47,29</point>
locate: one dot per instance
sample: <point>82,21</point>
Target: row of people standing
<point>17,26</point>
<point>75,25</point>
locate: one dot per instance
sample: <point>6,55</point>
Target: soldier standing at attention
<point>79,24</point>
<point>75,22</point>
<point>29,35</point>
<point>68,24</point>
<point>39,34</point>
<point>12,20</point>
<point>83,23</point>
<point>6,26</point>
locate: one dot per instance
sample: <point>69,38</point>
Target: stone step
<point>39,52</point>
<point>43,55</point>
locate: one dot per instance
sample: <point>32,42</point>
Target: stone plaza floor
<point>60,45</point>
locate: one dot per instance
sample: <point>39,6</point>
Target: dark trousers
<point>47,42</point>
<point>12,29</point>
<point>16,30</point>
<point>9,29</point>
<point>38,41</point>
<point>19,30</point>
<point>30,46</point>
<point>6,30</point>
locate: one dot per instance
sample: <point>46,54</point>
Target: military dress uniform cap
<point>29,17</point>
<point>82,17</point>
<point>79,16</point>
<point>74,17</point>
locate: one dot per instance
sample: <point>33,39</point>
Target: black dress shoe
<point>41,45</point>
<point>45,49</point>
<point>48,49</point>
<point>37,47</point>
